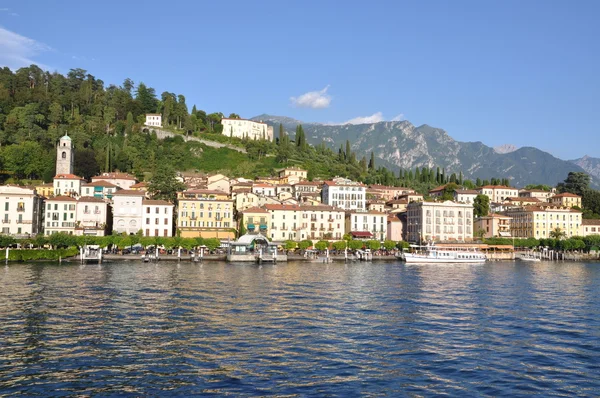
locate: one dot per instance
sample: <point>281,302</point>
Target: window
<point>64,154</point>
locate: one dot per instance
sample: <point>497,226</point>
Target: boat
<point>529,257</point>
<point>431,254</point>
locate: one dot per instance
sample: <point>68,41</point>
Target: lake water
<point>299,329</point>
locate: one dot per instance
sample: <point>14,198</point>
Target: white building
<point>122,180</point>
<point>465,195</point>
<point>158,218</point>
<point>21,211</point>
<point>153,120</point>
<point>498,193</point>
<point>439,221</point>
<point>127,211</point>
<point>372,224</point>
<point>344,193</point>
<point>92,216</point>
<point>264,189</point>
<point>67,185</point>
<point>61,212</point>
<point>242,128</point>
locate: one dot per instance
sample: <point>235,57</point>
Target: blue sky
<point>501,72</point>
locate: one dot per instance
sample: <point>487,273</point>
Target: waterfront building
<point>65,156</point>
<point>523,201</point>
<point>67,185</point>
<point>127,211</point>
<point>566,199</point>
<point>439,221</point>
<point>153,120</point>
<point>397,205</point>
<point>437,191</point>
<point>243,128</point>
<point>21,209</point>
<point>93,214</point>
<point>589,227</point>
<point>296,222</point>
<point>205,213</point>
<point>245,200</point>
<point>270,180</point>
<point>157,218</point>
<point>538,221</point>
<point>140,186</point>
<point>465,195</point>
<point>221,184</point>
<point>498,193</point>
<point>122,180</point>
<point>371,224</point>
<point>99,189</point>
<point>344,193</point>
<point>60,215</point>
<point>493,226</point>
<point>395,227</point>
<point>256,219</point>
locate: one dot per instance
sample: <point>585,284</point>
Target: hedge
<point>43,254</point>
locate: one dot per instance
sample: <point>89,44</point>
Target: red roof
<point>361,234</point>
<point>498,187</point>
<point>566,195</point>
<point>116,176</point>
<point>91,199</point>
<point>142,184</point>
<point>101,183</point>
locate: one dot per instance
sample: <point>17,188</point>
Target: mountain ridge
<point>400,144</point>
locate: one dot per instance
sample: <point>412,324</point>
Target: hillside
<point>403,145</point>
<point>590,165</point>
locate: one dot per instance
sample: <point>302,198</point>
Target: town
<point>282,208</point>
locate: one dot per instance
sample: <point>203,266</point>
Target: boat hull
<point>410,259</point>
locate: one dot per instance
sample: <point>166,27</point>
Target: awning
<point>361,234</point>
<point>251,226</point>
<point>505,234</point>
<point>263,226</point>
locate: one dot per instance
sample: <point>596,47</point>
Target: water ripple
<point>300,329</point>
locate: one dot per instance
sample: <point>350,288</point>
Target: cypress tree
<point>348,150</point>
<point>372,161</point>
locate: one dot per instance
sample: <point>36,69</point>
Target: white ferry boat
<point>529,257</point>
<point>431,254</point>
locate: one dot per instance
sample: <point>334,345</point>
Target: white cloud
<point>17,51</point>
<point>313,99</point>
<point>374,118</point>
<point>398,118</point>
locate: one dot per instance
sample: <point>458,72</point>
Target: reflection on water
<point>300,329</point>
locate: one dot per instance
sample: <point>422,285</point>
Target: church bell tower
<point>64,156</point>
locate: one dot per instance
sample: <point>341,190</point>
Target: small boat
<point>529,257</point>
<point>431,254</point>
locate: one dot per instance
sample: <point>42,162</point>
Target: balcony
<point>5,221</point>
<point>330,219</point>
<point>97,211</point>
<point>86,212</point>
<point>68,224</point>
<point>20,209</point>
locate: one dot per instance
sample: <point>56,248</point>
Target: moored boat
<point>529,257</point>
<point>430,254</point>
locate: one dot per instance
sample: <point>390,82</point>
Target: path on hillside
<point>162,134</point>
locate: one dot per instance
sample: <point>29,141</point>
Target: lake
<point>300,329</point>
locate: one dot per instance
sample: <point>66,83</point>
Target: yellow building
<point>566,199</point>
<point>46,190</point>
<point>255,219</point>
<point>538,221</point>
<point>590,227</point>
<point>205,213</point>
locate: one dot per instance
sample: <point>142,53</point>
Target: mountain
<point>400,144</point>
<point>589,164</point>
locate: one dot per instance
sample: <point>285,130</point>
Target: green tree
<point>290,245</point>
<point>340,245</point>
<point>557,233</point>
<point>576,182</point>
<point>374,244</point>
<point>321,245</point>
<point>305,244</point>
<point>356,244</point>
<point>164,184</point>
<point>481,205</point>
<point>389,245</point>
